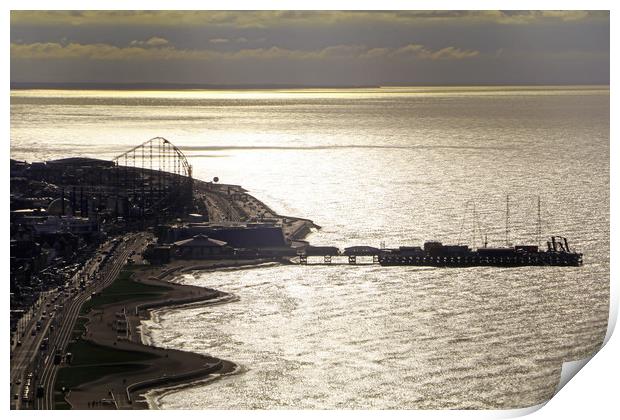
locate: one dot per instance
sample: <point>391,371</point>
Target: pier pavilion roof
<point>200,241</point>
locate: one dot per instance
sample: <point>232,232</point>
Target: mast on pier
<point>539,225</point>
<point>507,219</point>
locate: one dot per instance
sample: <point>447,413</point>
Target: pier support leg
<point>303,259</point>
<point>327,259</point>
<point>352,259</point>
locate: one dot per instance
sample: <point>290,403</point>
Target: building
<point>201,247</point>
<point>75,225</point>
<point>237,235</point>
<point>157,254</point>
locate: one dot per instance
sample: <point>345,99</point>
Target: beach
<point>167,366</point>
<point>114,322</point>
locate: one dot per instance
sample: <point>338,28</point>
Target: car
<point>16,396</point>
<point>19,343</point>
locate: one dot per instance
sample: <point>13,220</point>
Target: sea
<point>386,166</point>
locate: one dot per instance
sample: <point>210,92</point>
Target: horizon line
<point>260,86</point>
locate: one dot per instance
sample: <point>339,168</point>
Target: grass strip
<point>123,289</point>
<point>72,377</point>
<point>88,353</point>
<point>92,361</point>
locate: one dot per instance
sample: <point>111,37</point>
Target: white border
<point>592,394</point>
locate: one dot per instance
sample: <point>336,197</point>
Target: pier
<point>337,260</point>
<point>435,254</point>
<point>333,256</point>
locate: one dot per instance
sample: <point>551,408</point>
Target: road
<point>30,359</point>
<point>218,201</point>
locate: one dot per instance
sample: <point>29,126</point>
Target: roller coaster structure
<point>151,180</point>
<point>153,177</point>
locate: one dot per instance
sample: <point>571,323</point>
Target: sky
<point>311,48</point>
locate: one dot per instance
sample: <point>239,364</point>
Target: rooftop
<point>200,241</point>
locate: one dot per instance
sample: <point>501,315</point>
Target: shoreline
<point>166,367</point>
<point>153,396</point>
<point>170,369</point>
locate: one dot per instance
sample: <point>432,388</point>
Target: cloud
<point>52,50</point>
<point>151,42</point>
<point>529,16</point>
<point>240,40</point>
<point>312,46</point>
<point>451,53</point>
<point>160,49</point>
<point>264,19</point>
<point>421,52</point>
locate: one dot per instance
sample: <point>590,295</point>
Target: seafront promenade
<point>118,324</point>
<point>91,353</point>
<point>226,202</point>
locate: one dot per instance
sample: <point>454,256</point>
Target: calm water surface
<point>379,165</point>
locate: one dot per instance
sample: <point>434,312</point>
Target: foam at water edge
<point>154,396</point>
